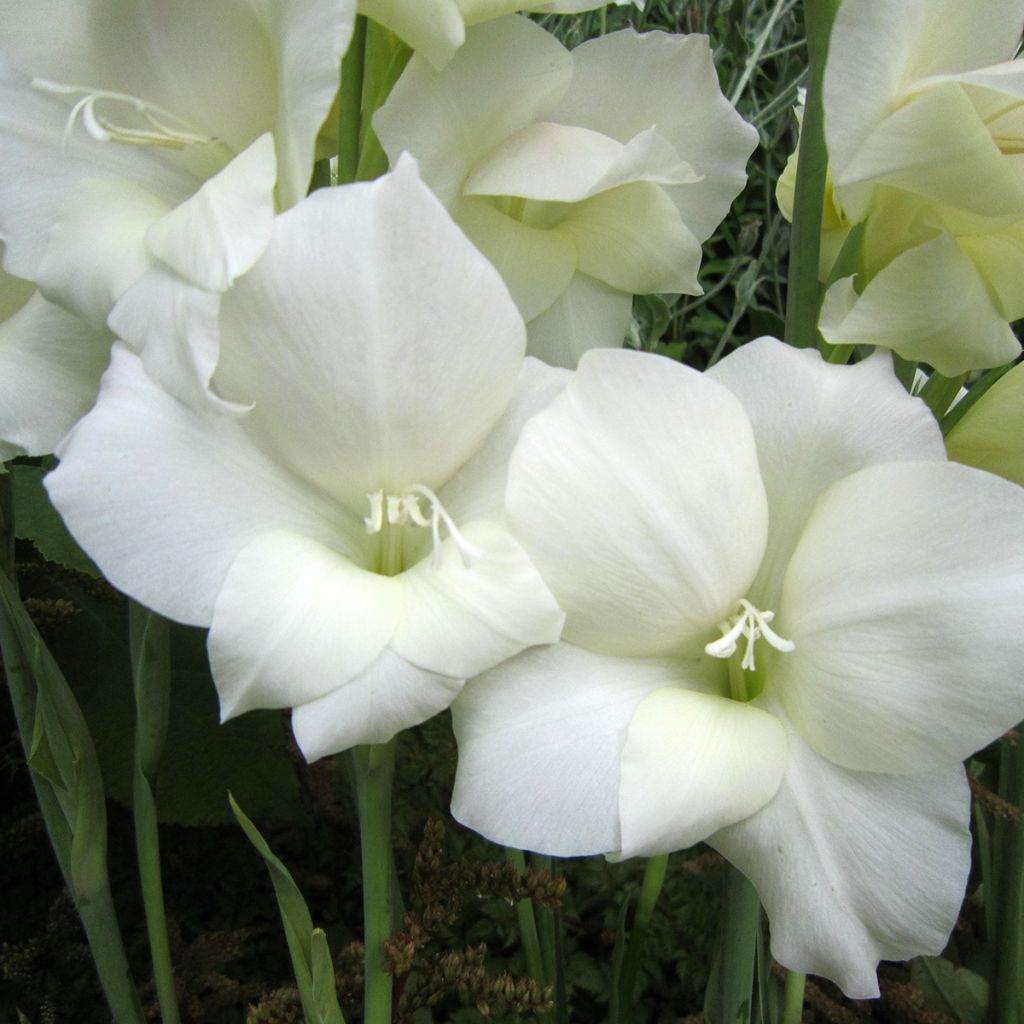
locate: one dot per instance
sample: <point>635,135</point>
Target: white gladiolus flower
<point>924,121</point>
<point>165,132</point>
<point>584,177</point>
<point>788,620</point>
<point>343,537</point>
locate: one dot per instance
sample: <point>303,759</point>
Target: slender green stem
<point>654,877</point>
<point>1007,992</point>
<point>805,239</point>
<point>374,768</point>
<point>730,989</point>
<point>793,1009</point>
<point>939,392</point>
<point>385,60</point>
<point>350,100</point>
<point>151,673</point>
<point>546,926</point>
<point>527,924</point>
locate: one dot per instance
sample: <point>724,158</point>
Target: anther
<point>751,623</point>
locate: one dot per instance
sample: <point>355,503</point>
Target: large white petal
<point>623,83</point>
<point>816,423</point>
<point>539,743</point>
<point>163,497</point>
<point>390,695</point>
<point>293,621</point>
<point>646,546</point>
<point>930,304</point>
<point>904,599</point>
<point>433,28</point>
<point>856,867</point>
<point>693,763</point>
<point>588,314</point>
<point>460,620</point>
<point>382,362</point>
<point>51,362</point>
<point>509,73</point>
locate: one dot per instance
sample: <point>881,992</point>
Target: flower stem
<point>527,924</point>
<point>552,947</point>
<point>374,768</point>
<point>729,998</point>
<point>793,1009</point>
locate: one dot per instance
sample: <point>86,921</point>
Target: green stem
<point>793,1009</point>
<point>527,924</point>
<point>374,770</point>
<point>729,997</point>
<point>804,295</point>
<point>654,877</point>
<point>939,392</point>
<point>350,100</point>
<point>1007,1000</point>
<point>385,59</point>
<point>151,674</point>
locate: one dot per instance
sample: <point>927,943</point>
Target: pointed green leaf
<point>951,989</point>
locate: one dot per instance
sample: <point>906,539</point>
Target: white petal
<point>390,695</point>
<point>163,497</point>
<point>929,304</point>
<point>856,867</point>
<point>380,363</point>
<point>588,314</point>
<point>693,763</point>
<point>646,546</point>
<point>222,230</point>
<point>433,28</point>
<point>461,620</point>
<point>293,621</point>
<point>623,83</point>
<point>903,599</point>
<point>816,423</point>
<point>539,744</point>
<point>509,73</point>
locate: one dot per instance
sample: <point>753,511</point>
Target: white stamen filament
<point>402,509</point>
<point>751,623</point>
<point>168,129</point>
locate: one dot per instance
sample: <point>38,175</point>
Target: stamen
<point>751,623</point>
<point>168,129</point>
<point>375,520</point>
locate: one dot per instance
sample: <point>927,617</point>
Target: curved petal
<point>903,599</point>
<point>693,763</point>
<point>588,314</point>
<point>189,489</point>
<point>293,621</point>
<point>623,83</point>
<point>382,363</point>
<point>509,73</point>
<point>50,367</point>
<point>646,547</point>
<point>815,423</point>
<point>390,695</point>
<point>460,620</point>
<point>433,28</point>
<point>929,304</point>
<point>539,743</point>
<point>856,867</point>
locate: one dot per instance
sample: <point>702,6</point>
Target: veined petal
<point>646,547</point>
<point>51,362</point>
<point>623,83</point>
<point>588,314</point>
<point>930,304</point>
<point>539,743</point>
<point>509,74</point>
<point>856,867</point>
<point>815,423</point>
<point>536,264</point>
<point>293,621</point>
<point>388,696</point>
<point>903,599</point>
<point>434,29</point>
<point>382,363</point>
<point>693,763</point>
<point>460,620</point>
<point>183,538</point>
<point>222,230</point>
<point>633,238</point>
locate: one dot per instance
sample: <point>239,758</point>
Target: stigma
<point>751,623</point>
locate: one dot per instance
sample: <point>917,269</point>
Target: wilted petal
<point>293,621</point>
<point>539,743</point>
<point>903,599</point>
<point>693,763</point>
<point>646,546</point>
<point>856,867</point>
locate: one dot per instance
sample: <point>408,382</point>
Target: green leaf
<point>951,989</point>
<point>311,959</point>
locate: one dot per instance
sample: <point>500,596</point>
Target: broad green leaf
<point>951,989</point>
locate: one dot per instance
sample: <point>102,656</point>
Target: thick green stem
<point>527,924</point>
<point>625,990</point>
<point>729,997</point>
<point>793,1010</point>
<point>1007,998</point>
<point>374,769</point>
<point>151,673</point>
<point>803,301</point>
